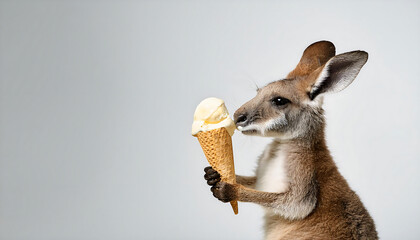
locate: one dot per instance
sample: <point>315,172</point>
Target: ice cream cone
<point>217,146</point>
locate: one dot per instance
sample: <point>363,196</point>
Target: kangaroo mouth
<point>249,132</point>
<point>249,129</point>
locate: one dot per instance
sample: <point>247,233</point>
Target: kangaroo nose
<point>241,120</point>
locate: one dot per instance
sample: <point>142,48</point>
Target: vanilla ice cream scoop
<point>212,114</point>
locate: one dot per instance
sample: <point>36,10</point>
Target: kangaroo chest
<point>272,170</point>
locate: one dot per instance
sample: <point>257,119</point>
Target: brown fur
<point>318,203</point>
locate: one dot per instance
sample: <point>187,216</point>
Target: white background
<point>97,99</point>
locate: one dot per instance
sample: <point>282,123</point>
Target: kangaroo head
<point>292,107</point>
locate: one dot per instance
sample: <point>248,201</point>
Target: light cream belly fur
<point>271,172</point>
<point>272,177</point>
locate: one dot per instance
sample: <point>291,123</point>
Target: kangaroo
<point>297,182</point>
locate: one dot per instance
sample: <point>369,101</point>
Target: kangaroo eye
<point>280,101</point>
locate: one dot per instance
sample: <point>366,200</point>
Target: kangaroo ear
<point>338,73</point>
<point>314,56</point>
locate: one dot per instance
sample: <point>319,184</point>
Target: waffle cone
<point>217,146</point>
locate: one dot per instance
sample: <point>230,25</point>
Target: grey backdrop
<point>97,99</point>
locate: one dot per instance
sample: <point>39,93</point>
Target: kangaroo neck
<point>312,142</point>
